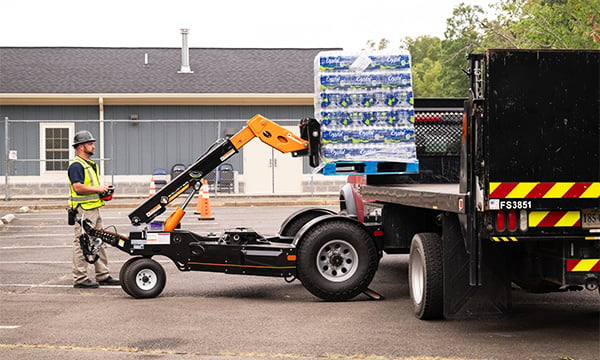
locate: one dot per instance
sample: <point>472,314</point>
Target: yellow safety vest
<point>87,201</point>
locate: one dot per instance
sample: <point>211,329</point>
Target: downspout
<point>6,151</point>
<point>101,130</point>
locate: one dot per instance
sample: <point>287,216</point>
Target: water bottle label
<point>396,80</point>
<point>332,136</point>
<point>364,81</point>
<point>364,135</point>
<point>336,63</point>
<point>336,152</point>
<point>334,82</point>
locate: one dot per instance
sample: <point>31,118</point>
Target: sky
<point>347,24</point>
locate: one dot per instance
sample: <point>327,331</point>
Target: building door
<point>268,171</point>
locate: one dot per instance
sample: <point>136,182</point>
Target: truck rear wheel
<point>425,276</point>
<point>143,278</point>
<point>337,260</point>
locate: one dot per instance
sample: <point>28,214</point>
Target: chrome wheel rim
<point>337,260</point>
<point>146,279</point>
<point>417,278</point>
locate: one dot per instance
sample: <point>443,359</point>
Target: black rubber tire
<point>144,278</point>
<point>336,260</point>
<point>425,276</point>
<point>122,274</point>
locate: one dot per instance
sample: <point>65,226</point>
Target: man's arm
<point>84,189</point>
<point>76,177</point>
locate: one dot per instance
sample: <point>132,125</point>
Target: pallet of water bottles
<point>364,103</point>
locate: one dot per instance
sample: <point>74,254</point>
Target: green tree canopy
<point>557,24</point>
<point>463,36</point>
<point>426,52</point>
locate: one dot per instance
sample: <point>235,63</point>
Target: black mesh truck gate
<point>511,195</point>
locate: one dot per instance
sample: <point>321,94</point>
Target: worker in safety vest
<point>85,198</point>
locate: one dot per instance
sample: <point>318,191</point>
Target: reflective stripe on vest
<point>87,201</point>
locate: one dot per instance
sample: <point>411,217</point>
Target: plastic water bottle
<point>332,135</point>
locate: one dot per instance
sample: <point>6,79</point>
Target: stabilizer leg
<point>374,295</point>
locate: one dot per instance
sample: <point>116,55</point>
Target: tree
<point>555,24</point>
<point>380,45</point>
<point>426,52</point>
<point>423,47</point>
<point>438,64</point>
<point>463,35</point>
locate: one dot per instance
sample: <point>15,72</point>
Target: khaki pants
<point>80,266</point>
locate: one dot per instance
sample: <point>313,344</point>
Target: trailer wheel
<point>337,260</point>
<point>425,276</point>
<point>143,278</point>
<point>122,274</point>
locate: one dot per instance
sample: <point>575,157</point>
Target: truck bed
<point>443,197</point>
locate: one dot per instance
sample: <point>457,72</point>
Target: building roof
<point>110,71</point>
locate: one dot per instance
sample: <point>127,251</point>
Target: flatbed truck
<point>511,198</point>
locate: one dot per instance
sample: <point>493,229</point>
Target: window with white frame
<point>55,151</point>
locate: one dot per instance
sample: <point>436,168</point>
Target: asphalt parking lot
<point>219,316</point>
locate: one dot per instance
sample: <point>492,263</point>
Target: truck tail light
<point>500,221</point>
<point>512,220</point>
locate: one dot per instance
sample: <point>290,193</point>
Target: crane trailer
<point>332,254</point>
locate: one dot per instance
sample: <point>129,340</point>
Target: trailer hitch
<point>90,248</point>
<point>91,240</point>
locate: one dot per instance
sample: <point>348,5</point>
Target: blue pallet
<point>370,168</point>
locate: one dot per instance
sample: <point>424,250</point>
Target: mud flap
<point>491,299</point>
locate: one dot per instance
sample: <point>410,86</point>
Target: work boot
<point>87,284</point>
<point>109,281</point>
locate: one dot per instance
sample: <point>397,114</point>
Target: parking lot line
<point>36,285</point>
<point>35,247</point>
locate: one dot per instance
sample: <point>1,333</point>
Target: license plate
<point>590,218</point>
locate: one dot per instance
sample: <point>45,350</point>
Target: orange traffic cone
<point>152,189</point>
<point>203,207</point>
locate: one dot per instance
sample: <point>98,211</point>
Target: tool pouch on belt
<point>71,215</point>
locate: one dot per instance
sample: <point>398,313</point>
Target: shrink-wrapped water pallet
<point>364,103</point>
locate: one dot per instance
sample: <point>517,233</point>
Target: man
<point>85,197</point>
